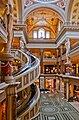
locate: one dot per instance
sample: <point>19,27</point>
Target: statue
<point>67,44</point>
<point>9,27</point>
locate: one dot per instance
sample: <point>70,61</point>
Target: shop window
<point>50,69</point>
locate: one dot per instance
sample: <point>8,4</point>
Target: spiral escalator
<point>27,102</point>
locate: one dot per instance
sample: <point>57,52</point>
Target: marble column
<point>19,11</point>
<point>11,101</point>
<point>71,90</point>
<point>77,69</point>
<point>67,91</point>
<point>61,59</point>
<point>57,84</point>
<point>41,82</point>
<point>67,44</point>
<point>41,60</point>
<point>60,84</point>
<point>57,62</point>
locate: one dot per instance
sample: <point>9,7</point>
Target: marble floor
<point>75,104</point>
<point>54,107</point>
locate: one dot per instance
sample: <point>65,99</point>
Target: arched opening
<point>41,33</point>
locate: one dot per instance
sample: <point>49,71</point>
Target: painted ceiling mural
<point>43,18</point>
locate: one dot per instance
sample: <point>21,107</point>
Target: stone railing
<point>2,91</point>
<point>49,59</point>
<point>36,117</point>
<point>2,95</point>
<point>28,77</point>
<point>19,54</point>
<point>28,74</point>
<point>67,26</point>
<point>51,40</point>
<point>32,108</point>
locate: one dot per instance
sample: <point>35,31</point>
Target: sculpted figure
<point>9,27</point>
<point>67,44</point>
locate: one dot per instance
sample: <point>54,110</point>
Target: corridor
<point>54,107</point>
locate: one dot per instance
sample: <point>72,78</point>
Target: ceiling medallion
<point>46,1</point>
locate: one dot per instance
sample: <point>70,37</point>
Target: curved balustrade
<point>36,117</point>
<point>67,26</point>
<point>24,104</point>
<point>43,40</point>
<point>19,54</point>
<point>30,109</point>
<point>29,73</point>
<point>26,77</point>
<point>25,66</point>
<point>23,97</point>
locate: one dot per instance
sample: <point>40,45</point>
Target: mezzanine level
<point>68,30</point>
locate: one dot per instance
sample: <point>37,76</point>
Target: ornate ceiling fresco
<point>3,6</point>
<point>45,18</point>
<point>75,12</point>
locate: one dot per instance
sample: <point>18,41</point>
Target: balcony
<point>67,30</point>
<point>42,40</point>
<point>50,59</point>
<point>28,73</point>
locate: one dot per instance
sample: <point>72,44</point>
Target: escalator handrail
<point>33,118</point>
<point>24,100</point>
<point>28,105</point>
<point>25,66</point>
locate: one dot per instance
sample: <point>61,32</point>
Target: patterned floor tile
<point>54,107</point>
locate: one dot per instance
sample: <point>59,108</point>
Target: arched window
<point>47,34</point>
<point>35,34</point>
<point>41,33</point>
